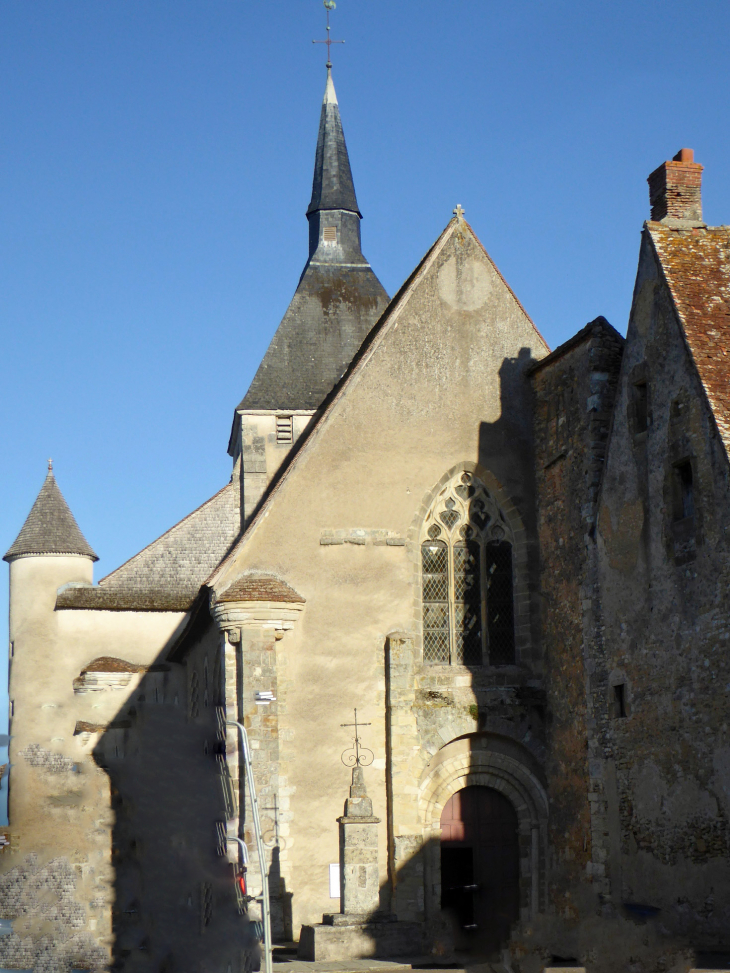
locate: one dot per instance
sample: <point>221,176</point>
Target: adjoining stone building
<point>512,563</point>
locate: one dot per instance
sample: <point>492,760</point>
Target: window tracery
<point>466,562</point>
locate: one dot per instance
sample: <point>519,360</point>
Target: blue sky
<point>155,167</point>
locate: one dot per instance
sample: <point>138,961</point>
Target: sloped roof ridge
<point>703,311</point>
<point>50,527</point>
<point>300,365</point>
<point>110,577</point>
<point>366,350</point>
<point>306,438</point>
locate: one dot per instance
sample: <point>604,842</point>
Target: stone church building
<point>513,563</point>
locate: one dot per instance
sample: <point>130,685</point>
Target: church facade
<point>511,563</point>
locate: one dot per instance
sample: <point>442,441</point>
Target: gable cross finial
<point>459,212</point>
<point>357,755</point>
<point>329,5</point>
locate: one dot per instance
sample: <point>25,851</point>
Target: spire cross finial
<point>459,212</point>
<point>329,5</point>
<point>50,466</point>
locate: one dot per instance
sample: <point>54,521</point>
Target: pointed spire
<point>332,186</point>
<point>338,299</point>
<point>50,527</point>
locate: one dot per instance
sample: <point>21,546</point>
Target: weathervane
<point>329,5</point>
<point>357,755</point>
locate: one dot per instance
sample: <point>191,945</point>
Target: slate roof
<point>260,587</point>
<point>336,303</point>
<point>696,265</point>
<point>167,575</point>
<point>328,319</point>
<point>50,527</point>
<point>332,186</point>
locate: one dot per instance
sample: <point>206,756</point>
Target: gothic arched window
<point>466,562</point>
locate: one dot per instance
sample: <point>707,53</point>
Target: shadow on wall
<point>165,886</point>
<point>162,879</point>
<point>175,906</point>
<point>473,868</point>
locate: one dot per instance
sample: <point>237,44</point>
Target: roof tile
<point>260,587</point>
<point>696,265</point>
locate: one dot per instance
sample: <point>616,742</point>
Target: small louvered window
<point>283,429</point>
<point>329,234</point>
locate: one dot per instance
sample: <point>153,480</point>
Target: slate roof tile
<point>50,527</point>
<point>167,575</point>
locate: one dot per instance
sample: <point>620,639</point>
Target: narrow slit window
<point>329,234</point>
<point>684,502</point>
<point>619,701</point>
<point>284,428</point>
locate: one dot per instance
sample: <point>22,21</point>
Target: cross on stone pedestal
<point>459,212</point>
<point>357,755</point>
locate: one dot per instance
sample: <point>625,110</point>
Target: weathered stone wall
<point>175,901</point>
<point>574,391</point>
<point>116,808</point>
<point>60,812</point>
<point>260,449</point>
<point>659,688</point>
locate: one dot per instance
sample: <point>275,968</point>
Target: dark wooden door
<point>480,868</point>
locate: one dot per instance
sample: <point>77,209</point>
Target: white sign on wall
<point>335,881</point>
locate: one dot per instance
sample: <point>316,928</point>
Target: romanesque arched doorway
<point>480,867</point>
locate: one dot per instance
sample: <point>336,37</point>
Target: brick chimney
<point>675,189</point>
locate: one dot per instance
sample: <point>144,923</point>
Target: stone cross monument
<point>359,885</point>
<point>361,928</point>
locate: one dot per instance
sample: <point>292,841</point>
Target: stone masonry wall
<point>660,683</point>
<point>574,392</point>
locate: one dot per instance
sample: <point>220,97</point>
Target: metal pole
<point>242,845</point>
<point>265,909</point>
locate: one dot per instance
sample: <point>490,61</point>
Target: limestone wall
<point>442,389</point>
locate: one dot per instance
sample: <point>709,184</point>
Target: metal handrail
<point>265,907</point>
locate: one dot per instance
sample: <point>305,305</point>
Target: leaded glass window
<point>466,563</point>
<point>434,556</point>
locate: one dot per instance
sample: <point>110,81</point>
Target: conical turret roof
<point>50,527</point>
<point>332,186</point>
